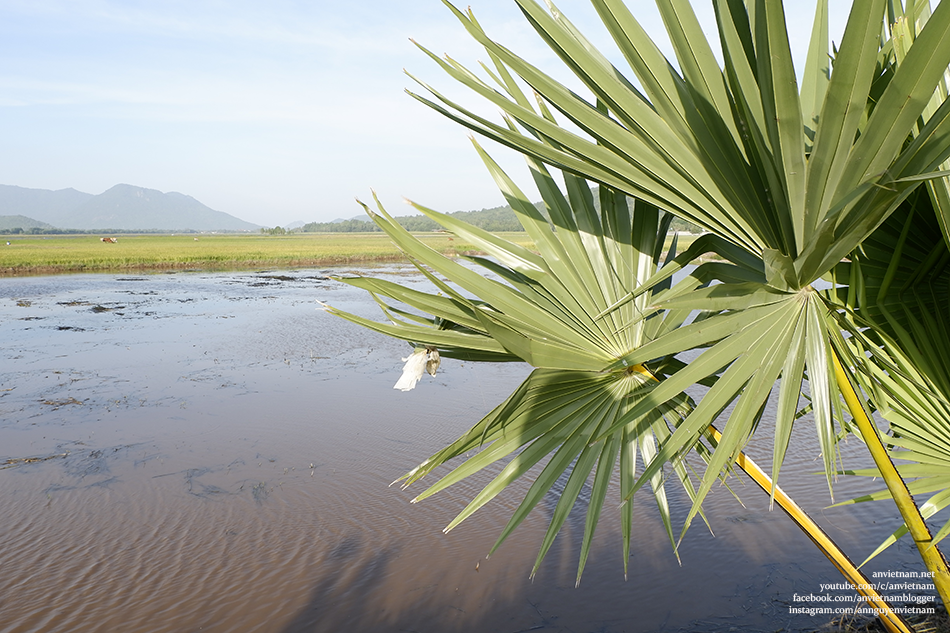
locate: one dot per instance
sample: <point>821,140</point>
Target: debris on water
<point>277,277</point>
<point>13,462</point>
<point>61,403</point>
<point>23,303</point>
<point>260,492</point>
<point>89,463</point>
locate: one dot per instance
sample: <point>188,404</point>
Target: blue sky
<point>273,112</point>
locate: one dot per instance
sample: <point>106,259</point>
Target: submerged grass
<point>44,254</point>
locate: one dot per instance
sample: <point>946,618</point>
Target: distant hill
<point>10,223</point>
<point>497,219</point>
<point>123,207</point>
<point>51,207</point>
<point>130,207</point>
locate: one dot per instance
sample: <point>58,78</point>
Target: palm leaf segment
<point>729,148</point>
<point>901,342</point>
<point>793,179</point>
<point>897,287</point>
<point>545,308</point>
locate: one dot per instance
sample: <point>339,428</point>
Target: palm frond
<point>788,181</point>
<point>562,310</point>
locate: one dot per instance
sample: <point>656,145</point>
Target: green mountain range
<point>496,219</point>
<point>123,207</point>
<point>19,223</point>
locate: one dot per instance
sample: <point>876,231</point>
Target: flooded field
<point>212,452</point>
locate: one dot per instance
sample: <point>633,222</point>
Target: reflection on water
<point>211,452</point>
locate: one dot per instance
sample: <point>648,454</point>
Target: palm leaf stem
<point>892,621</point>
<point>918,529</point>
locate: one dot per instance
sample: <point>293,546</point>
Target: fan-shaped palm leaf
<point>901,340</point>
<point>796,184</point>
<point>567,416</point>
<point>897,282</point>
<point>543,308</point>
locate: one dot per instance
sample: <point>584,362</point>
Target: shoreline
<point>197,265</point>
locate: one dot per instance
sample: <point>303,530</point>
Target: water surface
<point>212,452</point>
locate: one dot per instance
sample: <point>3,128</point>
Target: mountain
<point>52,207</point>
<point>129,207</point>
<point>123,207</point>
<point>10,222</point>
<point>495,219</point>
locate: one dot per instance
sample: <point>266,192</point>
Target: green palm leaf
<point>898,285</point>
<point>550,309</point>
<point>678,144</point>
<point>787,182</point>
<point>901,338</point>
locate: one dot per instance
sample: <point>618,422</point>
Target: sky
<point>273,112</point>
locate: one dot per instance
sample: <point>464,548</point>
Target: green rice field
<point>44,254</point>
<point>49,254</point>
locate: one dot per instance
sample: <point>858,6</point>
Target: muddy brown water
<point>211,452</point>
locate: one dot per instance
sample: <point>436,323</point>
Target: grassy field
<point>45,254</point>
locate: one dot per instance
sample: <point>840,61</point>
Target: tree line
<point>497,219</point>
